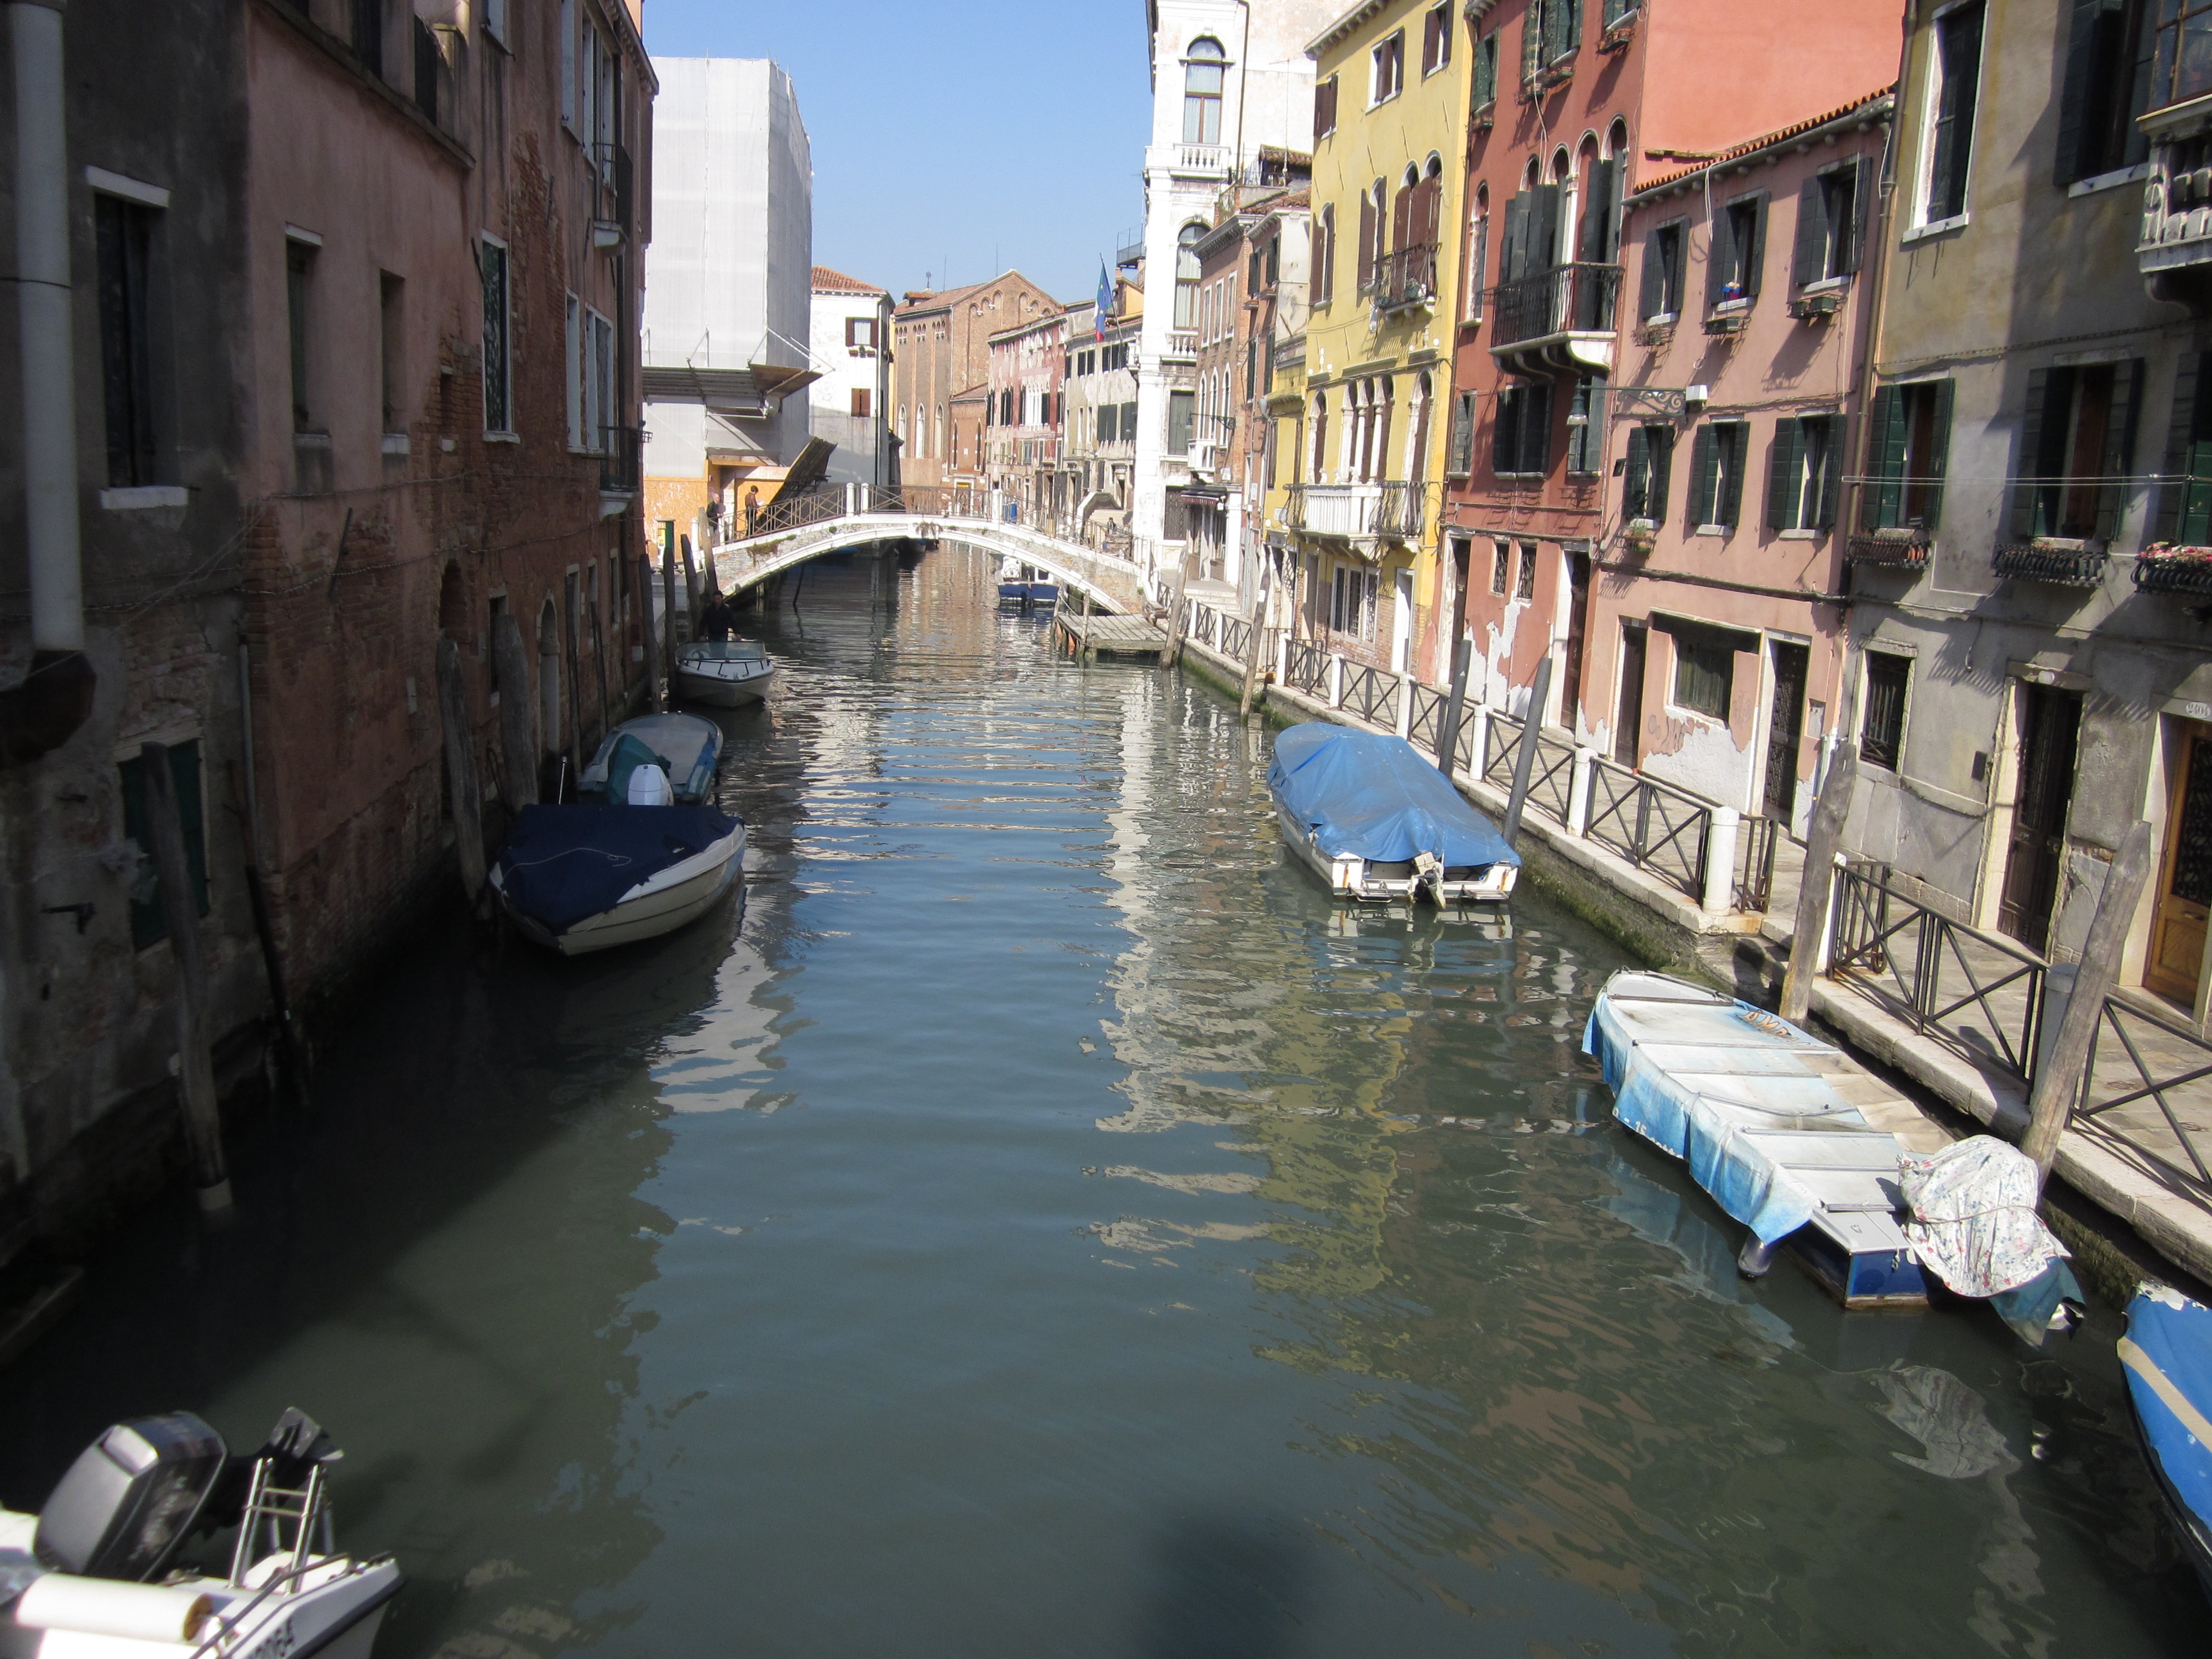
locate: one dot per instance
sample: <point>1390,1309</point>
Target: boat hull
<point>1349,876</point>
<point>703,684</point>
<point>674,898</point>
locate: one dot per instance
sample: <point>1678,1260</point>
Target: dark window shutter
<point>1939,457</point>
<point>1502,411</point>
<point>1854,233</point>
<point>1366,241</point>
<point>1532,40</point>
<point>1541,232</point>
<point>1460,455</point>
<point>2034,507</point>
<point>2180,439</point>
<point>1513,256</point>
<point>1884,496</point>
<point>2085,58</point>
<point>1653,300</point>
<point>1402,214</point>
<point>2119,444</point>
<point>1484,73</point>
<point>1755,258</point>
<point>1832,472</point>
<point>1325,108</point>
<point>1636,487</point>
<point>1678,256</point>
<point>1536,430</point>
<point>1737,441</point>
<point>1720,256</point>
<point>1783,462</point>
<point>1595,244</point>
<point>1808,257</point>
<point>1701,478</point>
<point>1661,440</point>
<point>1574,11</point>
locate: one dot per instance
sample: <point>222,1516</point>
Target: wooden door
<point>2050,723</point>
<point>1628,717</point>
<point>2184,888</point>
<point>1578,583</point>
<point>1784,728</point>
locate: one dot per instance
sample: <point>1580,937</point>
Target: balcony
<point>1200,160</point>
<point>2177,220</point>
<point>1211,436</point>
<point>1183,342</point>
<point>2060,563</point>
<point>1405,279</point>
<point>2186,572</point>
<point>1290,354</point>
<point>1558,321</point>
<point>622,451</point>
<point>1907,548</point>
<point>1364,514</point>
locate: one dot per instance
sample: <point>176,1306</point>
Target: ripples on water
<point>1040,1225</point>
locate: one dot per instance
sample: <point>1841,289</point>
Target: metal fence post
<point>1336,679</point>
<point>1405,706</point>
<point>1578,790</point>
<point>1720,860</point>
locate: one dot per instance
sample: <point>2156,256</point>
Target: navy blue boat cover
<point>1376,798</point>
<point>562,864</point>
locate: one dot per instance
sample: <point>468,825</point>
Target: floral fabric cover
<point>1973,1215</point>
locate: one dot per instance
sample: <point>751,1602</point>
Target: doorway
<point>2185,887</point>
<point>1785,728</point>
<point>2049,724</point>
<point>1628,715</point>
<point>1578,583</point>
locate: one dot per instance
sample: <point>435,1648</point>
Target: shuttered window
<point>123,231</point>
<point>1644,476</point>
<point>1910,447</point>
<point>1660,299</point>
<point>1586,425</point>
<point>1325,108</point>
<point>1705,670</point>
<point>2185,501</point>
<point>1180,404</point>
<point>2076,443</point>
<point>1483,75</point>
<point>1829,225</point>
<point>1459,460</point>
<point>1388,72</point>
<point>1802,473</point>
<point>1958,65</point>
<point>1882,734</point>
<point>1738,252</point>
<point>1717,461</point>
<point>2109,47</point>
<point>1436,39</point>
<point>1521,430</point>
<point>1501,567</point>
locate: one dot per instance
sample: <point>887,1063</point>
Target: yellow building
<point>1363,495</point>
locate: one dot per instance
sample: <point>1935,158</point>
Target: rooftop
<point>1873,103</point>
<point>827,280</point>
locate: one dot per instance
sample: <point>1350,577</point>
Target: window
<point>2185,504</point>
<point>1477,252</point>
<point>1551,32</point>
<point>1882,733</point>
<point>2077,437</point>
<point>1389,73</point>
<point>1617,11</point>
<point>1828,226</point>
<point>492,268</point>
<point>1351,601</point>
<point>1645,475</point>
<point>1802,472</point>
<point>299,279</point>
<point>1320,435</point>
<point>1527,589</point>
<point>1501,567</point>
<point>2184,67</point>
<point>1704,672</point>
<point>1586,425</point>
<point>148,926</point>
<point>495,19</point>
<point>861,333</point>
<point>1459,458</point>
<point>1325,109</point>
<point>863,404</point>
<point>429,60</point>
<point>1179,418</point>
<point>1661,294</point>
<point>1324,256</point>
<point>365,18</point>
<point>1484,73</point>
<point>1717,458</point>
<point>124,231</point>
<point>1201,93</point>
<point>1521,430</point>
<point>1739,250</point>
<point>391,355</point>
<point>1186,290</point>
<point>1436,39</point>
<point>1956,82</point>
<point>1909,428</point>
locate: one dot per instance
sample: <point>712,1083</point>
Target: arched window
<point>1201,93</point>
<point>1320,436</point>
<point>1186,291</point>
<point>1324,257</point>
<point>1417,446</point>
<point>1477,250</point>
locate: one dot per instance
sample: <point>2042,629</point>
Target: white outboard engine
<point>129,1498</point>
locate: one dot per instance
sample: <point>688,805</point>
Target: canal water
<point>1041,1224</point>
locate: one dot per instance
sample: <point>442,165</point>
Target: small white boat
<point>644,853</point>
<point>725,673</point>
<point>94,1574</point>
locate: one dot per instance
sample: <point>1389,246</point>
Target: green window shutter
<point>1783,462</point>
<point>1755,259</point>
<point>2034,507</point>
<point>1635,484</point>
<point>1939,451</point>
<point>1652,301</point>
<point>1720,256</point>
<point>2119,445</point>
<point>1831,473</point>
<point>1573,9</point>
<point>1462,433</point>
<point>1863,189</point>
<point>1505,412</point>
<point>1701,478</point>
<point>1484,75</point>
<point>1736,443</point>
<point>1661,440</point>
<point>1809,255</point>
<point>1542,249</point>
<point>1532,40</point>
<point>1885,497</point>
<point>2086,65</point>
<point>2182,509</point>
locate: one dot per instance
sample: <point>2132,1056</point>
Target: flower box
<point>2163,568</point>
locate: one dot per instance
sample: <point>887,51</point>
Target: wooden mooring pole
<point>463,788</point>
<point>1455,709</point>
<point>180,914</point>
<point>1171,648</point>
<point>1816,886</point>
<point>1254,647</point>
<point>2059,1075</point>
<point>1524,758</point>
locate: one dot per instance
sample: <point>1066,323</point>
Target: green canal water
<point>1041,1224</point>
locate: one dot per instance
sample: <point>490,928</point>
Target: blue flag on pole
<point>1105,305</point>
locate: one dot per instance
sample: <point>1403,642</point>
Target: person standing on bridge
<point>752,510</point>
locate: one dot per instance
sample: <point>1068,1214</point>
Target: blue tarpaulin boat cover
<point>562,864</point>
<point>2168,1353</point>
<point>1375,798</point>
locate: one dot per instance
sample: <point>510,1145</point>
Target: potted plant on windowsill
<point>1639,535</point>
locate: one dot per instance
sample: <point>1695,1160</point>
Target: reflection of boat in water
<point>2168,1353</point>
<point>726,673</point>
<point>1376,821</point>
<point>1769,1120</point>
<point>643,855</point>
<point>1026,585</point>
<point>91,1574</point>
<point>1375,920</point>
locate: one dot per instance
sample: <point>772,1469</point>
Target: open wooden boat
<point>1376,821</point>
<point>723,673</point>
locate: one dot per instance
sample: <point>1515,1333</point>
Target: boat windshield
<point>727,651</point>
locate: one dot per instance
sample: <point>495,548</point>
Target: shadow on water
<point>1226,1587</point>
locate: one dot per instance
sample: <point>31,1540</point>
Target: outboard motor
<point>129,1499</point>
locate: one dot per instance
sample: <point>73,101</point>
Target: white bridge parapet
<point>831,523</point>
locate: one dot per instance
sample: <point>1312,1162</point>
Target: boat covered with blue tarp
<point>2167,1355</point>
<point>1378,820</point>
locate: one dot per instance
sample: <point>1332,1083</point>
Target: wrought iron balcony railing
<point>1577,299</point>
<point>2079,566</point>
<point>1905,548</point>
<point>622,450</point>
<point>1407,277</point>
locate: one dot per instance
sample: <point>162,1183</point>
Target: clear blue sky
<point>947,135</point>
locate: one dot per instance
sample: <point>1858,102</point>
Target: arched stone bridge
<point>792,533</point>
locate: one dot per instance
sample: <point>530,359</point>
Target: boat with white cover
<point>644,852</point>
<point>1375,821</point>
<point>724,674</point>
<point>96,1573</point>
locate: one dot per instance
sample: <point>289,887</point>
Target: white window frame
<point>1931,99</point>
<point>1376,95</point>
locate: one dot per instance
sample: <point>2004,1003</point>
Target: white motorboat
<point>644,853</point>
<point>725,673</point>
<point>94,1574</point>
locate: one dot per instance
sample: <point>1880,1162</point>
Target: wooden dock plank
<point>1107,634</point>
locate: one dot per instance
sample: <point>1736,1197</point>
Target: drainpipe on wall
<point>38,713</point>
